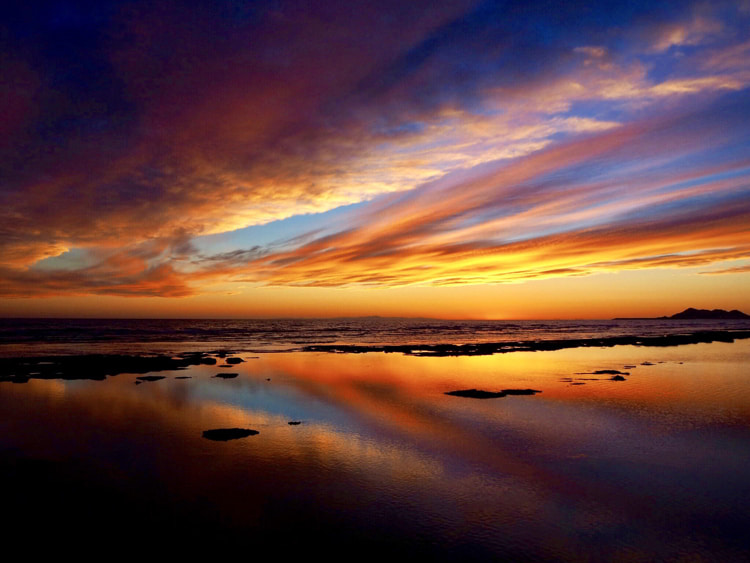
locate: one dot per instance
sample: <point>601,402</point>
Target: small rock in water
<point>150,377</point>
<point>521,391</point>
<point>294,422</point>
<point>605,372</point>
<point>481,394</point>
<point>618,378</point>
<point>224,434</point>
<point>234,360</point>
<point>226,375</point>
<point>476,394</point>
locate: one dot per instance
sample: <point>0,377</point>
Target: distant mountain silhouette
<point>707,314</point>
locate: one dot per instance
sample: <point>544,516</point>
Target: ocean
<point>362,438</point>
<point>77,336</point>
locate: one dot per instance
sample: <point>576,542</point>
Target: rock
<point>476,394</point>
<point>225,375</point>
<point>488,348</point>
<point>150,377</point>
<point>224,434</point>
<point>234,360</point>
<point>480,394</point>
<point>14,378</point>
<point>183,377</point>
<point>90,366</point>
<point>618,378</point>
<point>294,422</point>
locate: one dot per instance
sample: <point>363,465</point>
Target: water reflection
<point>654,466</point>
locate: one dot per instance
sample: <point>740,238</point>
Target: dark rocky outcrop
<point>225,375</point>
<point>234,360</point>
<point>604,372</point>
<point>481,394</point>
<point>489,348</point>
<point>476,394</point>
<point>150,377</point>
<point>521,391</point>
<point>90,366</point>
<point>224,434</point>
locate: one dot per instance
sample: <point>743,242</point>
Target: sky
<point>463,159</point>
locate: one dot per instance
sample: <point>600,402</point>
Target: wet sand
<point>384,462</point>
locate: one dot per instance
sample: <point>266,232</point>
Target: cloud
<point>733,270</point>
<point>616,200</point>
<point>137,128</point>
<point>112,278</point>
<point>695,31</point>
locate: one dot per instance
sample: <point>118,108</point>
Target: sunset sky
<point>454,159</point>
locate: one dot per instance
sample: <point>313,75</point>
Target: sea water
<point>382,463</point>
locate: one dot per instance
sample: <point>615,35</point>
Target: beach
<point>621,452</point>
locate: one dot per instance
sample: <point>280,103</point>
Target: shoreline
<point>490,348</point>
<point>21,369</point>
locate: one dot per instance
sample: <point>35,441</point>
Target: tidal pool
<point>365,455</point>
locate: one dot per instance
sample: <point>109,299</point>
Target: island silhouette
<point>695,314</point>
<point>692,313</point>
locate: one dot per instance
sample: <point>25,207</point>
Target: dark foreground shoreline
<point>99,366</point>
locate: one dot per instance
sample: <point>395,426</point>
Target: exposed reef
<point>150,377</point>
<point>91,366</point>
<point>225,434</point>
<point>481,394</point>
<point>489,348</point>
